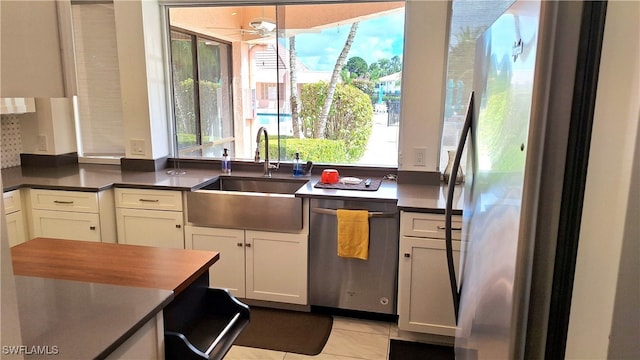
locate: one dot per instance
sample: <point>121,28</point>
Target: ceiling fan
<point>263,27</point>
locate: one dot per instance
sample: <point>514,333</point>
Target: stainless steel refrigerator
<point>529,82</point>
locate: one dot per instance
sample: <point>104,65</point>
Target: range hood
<point>17,105</point>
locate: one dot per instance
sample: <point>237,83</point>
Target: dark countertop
<point>386,192</point>
<point>82,320</point>
<point>87,298</point>
<point>429,198</point>
<point>93,177</point>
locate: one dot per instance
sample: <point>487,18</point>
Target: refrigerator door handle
<point>449,208</point>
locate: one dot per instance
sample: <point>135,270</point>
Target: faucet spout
<point>267,165</point>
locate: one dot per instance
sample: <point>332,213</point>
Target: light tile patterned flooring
<point>350,339</point>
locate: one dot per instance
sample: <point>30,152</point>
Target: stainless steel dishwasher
<point>354,284</point>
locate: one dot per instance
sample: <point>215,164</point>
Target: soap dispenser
<point>297,166</point>
<point>226,164</point>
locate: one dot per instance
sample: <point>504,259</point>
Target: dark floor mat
<point>407,350</point>
<point>288,331</point>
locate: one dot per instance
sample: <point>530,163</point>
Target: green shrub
<point>350,118</point>
<point>186,139</point>
<point>316,150</point>
<point>312,97</point>
<point>186,118</point>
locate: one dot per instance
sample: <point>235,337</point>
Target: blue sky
<point>376,39</point>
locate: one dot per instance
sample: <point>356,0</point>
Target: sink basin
<point>247,203</point>
<point>267,185</point>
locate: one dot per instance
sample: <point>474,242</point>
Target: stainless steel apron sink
<point>247,203</point>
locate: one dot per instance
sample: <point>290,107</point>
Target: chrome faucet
<point>267,166</point>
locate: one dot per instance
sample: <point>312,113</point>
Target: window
<point>201,94</point>
<point>469,19</point>
<point>282,59</point>
<point>99,104</point>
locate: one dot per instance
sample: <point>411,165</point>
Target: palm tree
<point>324,114</point>
<point>293,77</point>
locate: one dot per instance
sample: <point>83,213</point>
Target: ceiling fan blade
<point>248,31</point>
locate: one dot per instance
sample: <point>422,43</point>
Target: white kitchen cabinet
<point>15,228</point>
<point>425,303</point>
<point>276,266</point>
<point>229,271</point>
<point>73,215</point>
<point>17,105</point>
<point>66,225</point>
<point>257,265</point>
<point>150,217</point>
<point>14,217</point>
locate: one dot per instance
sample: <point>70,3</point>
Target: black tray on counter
<point>375,184</point>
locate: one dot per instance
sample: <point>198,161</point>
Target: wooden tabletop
<point>117,264</point>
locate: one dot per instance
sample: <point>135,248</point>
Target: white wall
<point>141,55</point>
<point>424,76</point>
<point>31,63</point>
<point>142,83</point>
<point>608,186</point>
<point>52,124</point>
<point>423,80</point>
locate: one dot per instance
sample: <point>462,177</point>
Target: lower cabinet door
<point>276,266</point>
<point>66,225</point>
<point>425,303</point>
<point>228,272</point>
<point>150,228</point>
<point>15,228</point>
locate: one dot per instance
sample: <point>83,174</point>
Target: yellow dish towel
<point>353,233</point>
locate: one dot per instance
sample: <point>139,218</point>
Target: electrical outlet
<point>42,143</point>
<point>420,156</point>
<point>137,147</point>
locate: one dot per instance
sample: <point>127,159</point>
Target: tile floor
<point>350,339</point>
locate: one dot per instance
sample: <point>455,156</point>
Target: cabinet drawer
<point>12,201</point>
<point>428,225</point>
<point>149,199</point>
<point>150,228</point>
<point>76,201</point>
<point>66,225</point>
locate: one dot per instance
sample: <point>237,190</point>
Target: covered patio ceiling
<point>232,23</point>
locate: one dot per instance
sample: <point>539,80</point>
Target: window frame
<point>169,4</point>
<point>200,144</point>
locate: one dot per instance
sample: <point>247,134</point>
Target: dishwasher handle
<point>372,214</point>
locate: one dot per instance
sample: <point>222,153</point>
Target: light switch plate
<point>419,156</point>
<point>42,143</point>
<point>137,147</point>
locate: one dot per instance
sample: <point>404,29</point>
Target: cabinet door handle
<point>92,227</point>
<point>239,244</point>
<point>248,245</point>
<point>440,227</point>
<point>62,202</point>
<point>407,255</point>
<point>149,200</point>
<point>178,226</point>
